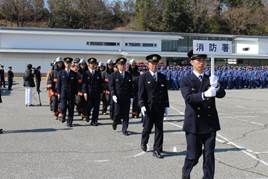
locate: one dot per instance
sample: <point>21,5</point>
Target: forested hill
<point>246,17</point>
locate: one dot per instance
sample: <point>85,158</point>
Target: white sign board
<point>212,47</point>
<point>232,61</point>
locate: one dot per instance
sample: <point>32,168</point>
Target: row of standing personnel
<point>10,76</point>
<point>231,77</point>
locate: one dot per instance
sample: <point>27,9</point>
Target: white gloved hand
<point>213,81</point>
<point>143,110</point>
<point>85,97</point>
<point>211,92</point>
<point>166,111</point>
<point>114,98</point>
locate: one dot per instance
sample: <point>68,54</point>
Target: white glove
<point>213,81</point>
<point>143,110</point>
<point>166,111</point>
<point>114,98</point>
<point>85,96</point>
<point>211,92</point>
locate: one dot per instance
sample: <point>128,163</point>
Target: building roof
<point>117,32</point>
<point>59,31</point>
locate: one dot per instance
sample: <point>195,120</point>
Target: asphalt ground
<point>36,146</point>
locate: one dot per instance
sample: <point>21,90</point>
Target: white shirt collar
<point>91,70</point>
<point>198,74</point>
<point>152,73</point>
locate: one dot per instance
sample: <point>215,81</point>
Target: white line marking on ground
<point>176,125</point>
<point>101,161</point>
<point>241,107</point>
<point>250,122</point>
<point>266,152</point>
<point>239,116</point>
<point>174,149</point>
<point>246,151</point>
<point>181,113</point>
<point>139,154</point>
<point>257,123</point>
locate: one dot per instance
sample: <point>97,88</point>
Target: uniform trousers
<point>195,142</point>
<point>106,100</point>
<point>153,117</point>
<point>67,103</point>
<point>121,111</point>
<point>94,104</point>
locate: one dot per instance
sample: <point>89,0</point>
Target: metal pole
<point>212,65</point>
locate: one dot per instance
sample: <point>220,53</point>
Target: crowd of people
<point>87,87</point>
<point>231,77</point>
<point>10,76</point>
<point>83,85</point>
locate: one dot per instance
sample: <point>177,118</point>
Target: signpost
<point>212,48</point>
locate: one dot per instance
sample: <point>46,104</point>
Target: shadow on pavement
<point>165,131</point>
<point>35,130</point>
<point>172,154</point>
<point>219,150</point>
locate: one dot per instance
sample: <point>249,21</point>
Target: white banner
<point>212,47</point>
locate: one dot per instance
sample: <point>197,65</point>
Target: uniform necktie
<point>154,77</point>
<point>200,77</point>
<point>123,75</point>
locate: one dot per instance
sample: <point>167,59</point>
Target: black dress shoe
<point>157,154</point>
<point>70,125</point>
<point>1,131</point>
<point>95,124</point>
<point>144,147</point>
<point>114,126</point>
<point>126,133</point>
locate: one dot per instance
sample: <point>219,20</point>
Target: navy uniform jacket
<point>10,75</point>
<point>93,84</point>
<point>153,93</point>
<point>200,115</point>
<point>67,84</point>
<point>28,78</point>
<point>121,88</point>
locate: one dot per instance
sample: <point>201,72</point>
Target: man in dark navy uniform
<point>201,118</point>
<point>2,76</point>
<point>67,88</point>
<point>121,91</point>
<point>10,76</point>
<point>92,89</point>
<point>135,74</point>
<point>106,98</point>
<point>153,100</point>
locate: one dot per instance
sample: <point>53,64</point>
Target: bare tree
<point>17,11</point>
